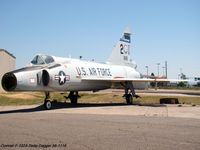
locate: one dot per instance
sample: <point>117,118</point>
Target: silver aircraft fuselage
<point>70,75</point>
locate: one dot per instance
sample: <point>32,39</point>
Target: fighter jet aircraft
<point>49,74</point>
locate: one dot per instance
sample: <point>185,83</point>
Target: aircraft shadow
<point>61,105</point>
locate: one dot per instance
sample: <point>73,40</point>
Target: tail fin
<point>121,52</point>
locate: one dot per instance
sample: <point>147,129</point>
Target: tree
<point>183,77</point>
<point>152,83</point>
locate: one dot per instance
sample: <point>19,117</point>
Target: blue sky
<point>162,30</point>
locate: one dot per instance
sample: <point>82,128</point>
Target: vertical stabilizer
<point>121,52</point>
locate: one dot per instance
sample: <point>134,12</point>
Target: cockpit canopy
<point>42,60</point>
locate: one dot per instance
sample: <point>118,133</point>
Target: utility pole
<point>147,70</point>
<point>158,64</point>
<point>166,69</point>
<point>164,75</point>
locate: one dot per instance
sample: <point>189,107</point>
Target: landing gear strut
<point>129,99</point>
<point>129,95</point>
<point>47,101</point>
<point>73,96</point>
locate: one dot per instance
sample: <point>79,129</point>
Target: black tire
<point>47,104</point>
<point>129,99</point>
<point>74,100</point>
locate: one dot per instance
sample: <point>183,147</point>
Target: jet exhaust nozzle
<point>9,81</point>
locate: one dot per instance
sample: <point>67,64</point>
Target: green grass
<point>7,99</point>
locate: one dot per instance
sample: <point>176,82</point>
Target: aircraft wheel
<point>47,104</point>
<point>129,99</point>
<point>74,100</point>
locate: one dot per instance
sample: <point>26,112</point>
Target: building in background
<point>7,63</point>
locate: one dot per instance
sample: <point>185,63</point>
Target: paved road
<point>86,128</point>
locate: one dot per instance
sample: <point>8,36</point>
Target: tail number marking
<point>124,49</point>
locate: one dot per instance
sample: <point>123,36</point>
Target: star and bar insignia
<point>62,78</point>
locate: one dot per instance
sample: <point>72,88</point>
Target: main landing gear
<point>73,96</point>
<point>129,92</point>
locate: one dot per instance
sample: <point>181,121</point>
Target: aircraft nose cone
<point>9,81</point>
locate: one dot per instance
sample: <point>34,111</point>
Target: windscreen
<point>42,59</point>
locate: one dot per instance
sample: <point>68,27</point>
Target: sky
<point>163,30</point>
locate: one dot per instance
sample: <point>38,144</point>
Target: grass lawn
<point>29,98</point>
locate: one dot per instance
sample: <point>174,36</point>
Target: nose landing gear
<point>47,101</point>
